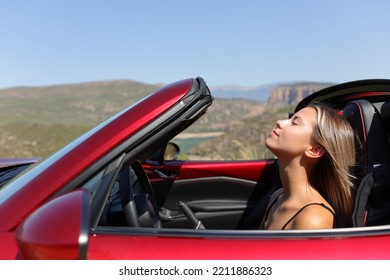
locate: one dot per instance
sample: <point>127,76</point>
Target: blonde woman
<point>316,151</point>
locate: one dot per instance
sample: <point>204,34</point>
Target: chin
<point>268,142</point>
<point>268,145</point>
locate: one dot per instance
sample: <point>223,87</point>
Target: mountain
<point>244,139</point>
<point>259,93</point>
<point>36,121</point>
<point>295,92</point>
<point>87,103</point>
<point>286,93</point>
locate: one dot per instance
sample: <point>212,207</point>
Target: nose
<point>280,123</point>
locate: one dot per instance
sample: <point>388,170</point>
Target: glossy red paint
<point>53,231</point>
<point>75,160</point>
<point>271,248</point>
<point>247,170</point>
<point>9,247</point>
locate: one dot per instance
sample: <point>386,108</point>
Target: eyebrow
<point>297,118</point>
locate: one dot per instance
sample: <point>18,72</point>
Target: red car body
<point>66,207</point>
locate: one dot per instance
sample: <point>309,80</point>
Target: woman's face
<point>292,137</point>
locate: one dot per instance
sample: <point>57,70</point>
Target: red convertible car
<point>120,192</point>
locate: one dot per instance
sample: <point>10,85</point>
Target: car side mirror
<point>57,230</point>
<point>172,151</point>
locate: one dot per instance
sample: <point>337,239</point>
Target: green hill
<point>36,121</point>
<point>244,139</point>
<point>86,103</point>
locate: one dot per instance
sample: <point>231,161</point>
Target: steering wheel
<point>137,197</point>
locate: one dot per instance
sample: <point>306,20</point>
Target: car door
<point>66,228</point>
<point>151,244</point>
<point>221,194</point>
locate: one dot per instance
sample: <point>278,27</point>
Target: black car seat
<point>372,202</point>
<point>254,216</point>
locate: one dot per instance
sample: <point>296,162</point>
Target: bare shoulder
<point>313,216</point>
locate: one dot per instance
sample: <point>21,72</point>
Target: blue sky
<point>244,42</point>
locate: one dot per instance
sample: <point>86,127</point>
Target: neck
<point>294,177</point>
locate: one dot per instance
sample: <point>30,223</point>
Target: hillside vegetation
<point>244,139</point>
<point>36,121</point>
<point>85,103</point>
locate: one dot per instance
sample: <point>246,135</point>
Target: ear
<point>315,151</point>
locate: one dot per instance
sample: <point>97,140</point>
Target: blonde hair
<point>332,176</point>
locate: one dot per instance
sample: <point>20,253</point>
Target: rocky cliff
<point>292,94</point>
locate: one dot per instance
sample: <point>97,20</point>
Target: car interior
<point>236,204</point>
<point>371,122</point>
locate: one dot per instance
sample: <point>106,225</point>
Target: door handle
<point>165,174</point>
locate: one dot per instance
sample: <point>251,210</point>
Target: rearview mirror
<point>57,230</point>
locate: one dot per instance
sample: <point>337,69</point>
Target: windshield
<point>9,173</point>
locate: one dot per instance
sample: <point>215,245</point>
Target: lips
<point>275,133</point>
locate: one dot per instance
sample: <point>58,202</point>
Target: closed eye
<point>295,120</point>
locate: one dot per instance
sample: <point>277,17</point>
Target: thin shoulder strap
<point>300,210</point>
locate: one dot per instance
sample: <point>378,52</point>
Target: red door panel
<point>261,170</point>
<point>120,246</point>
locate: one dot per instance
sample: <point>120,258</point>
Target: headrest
<point>384,109</point>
